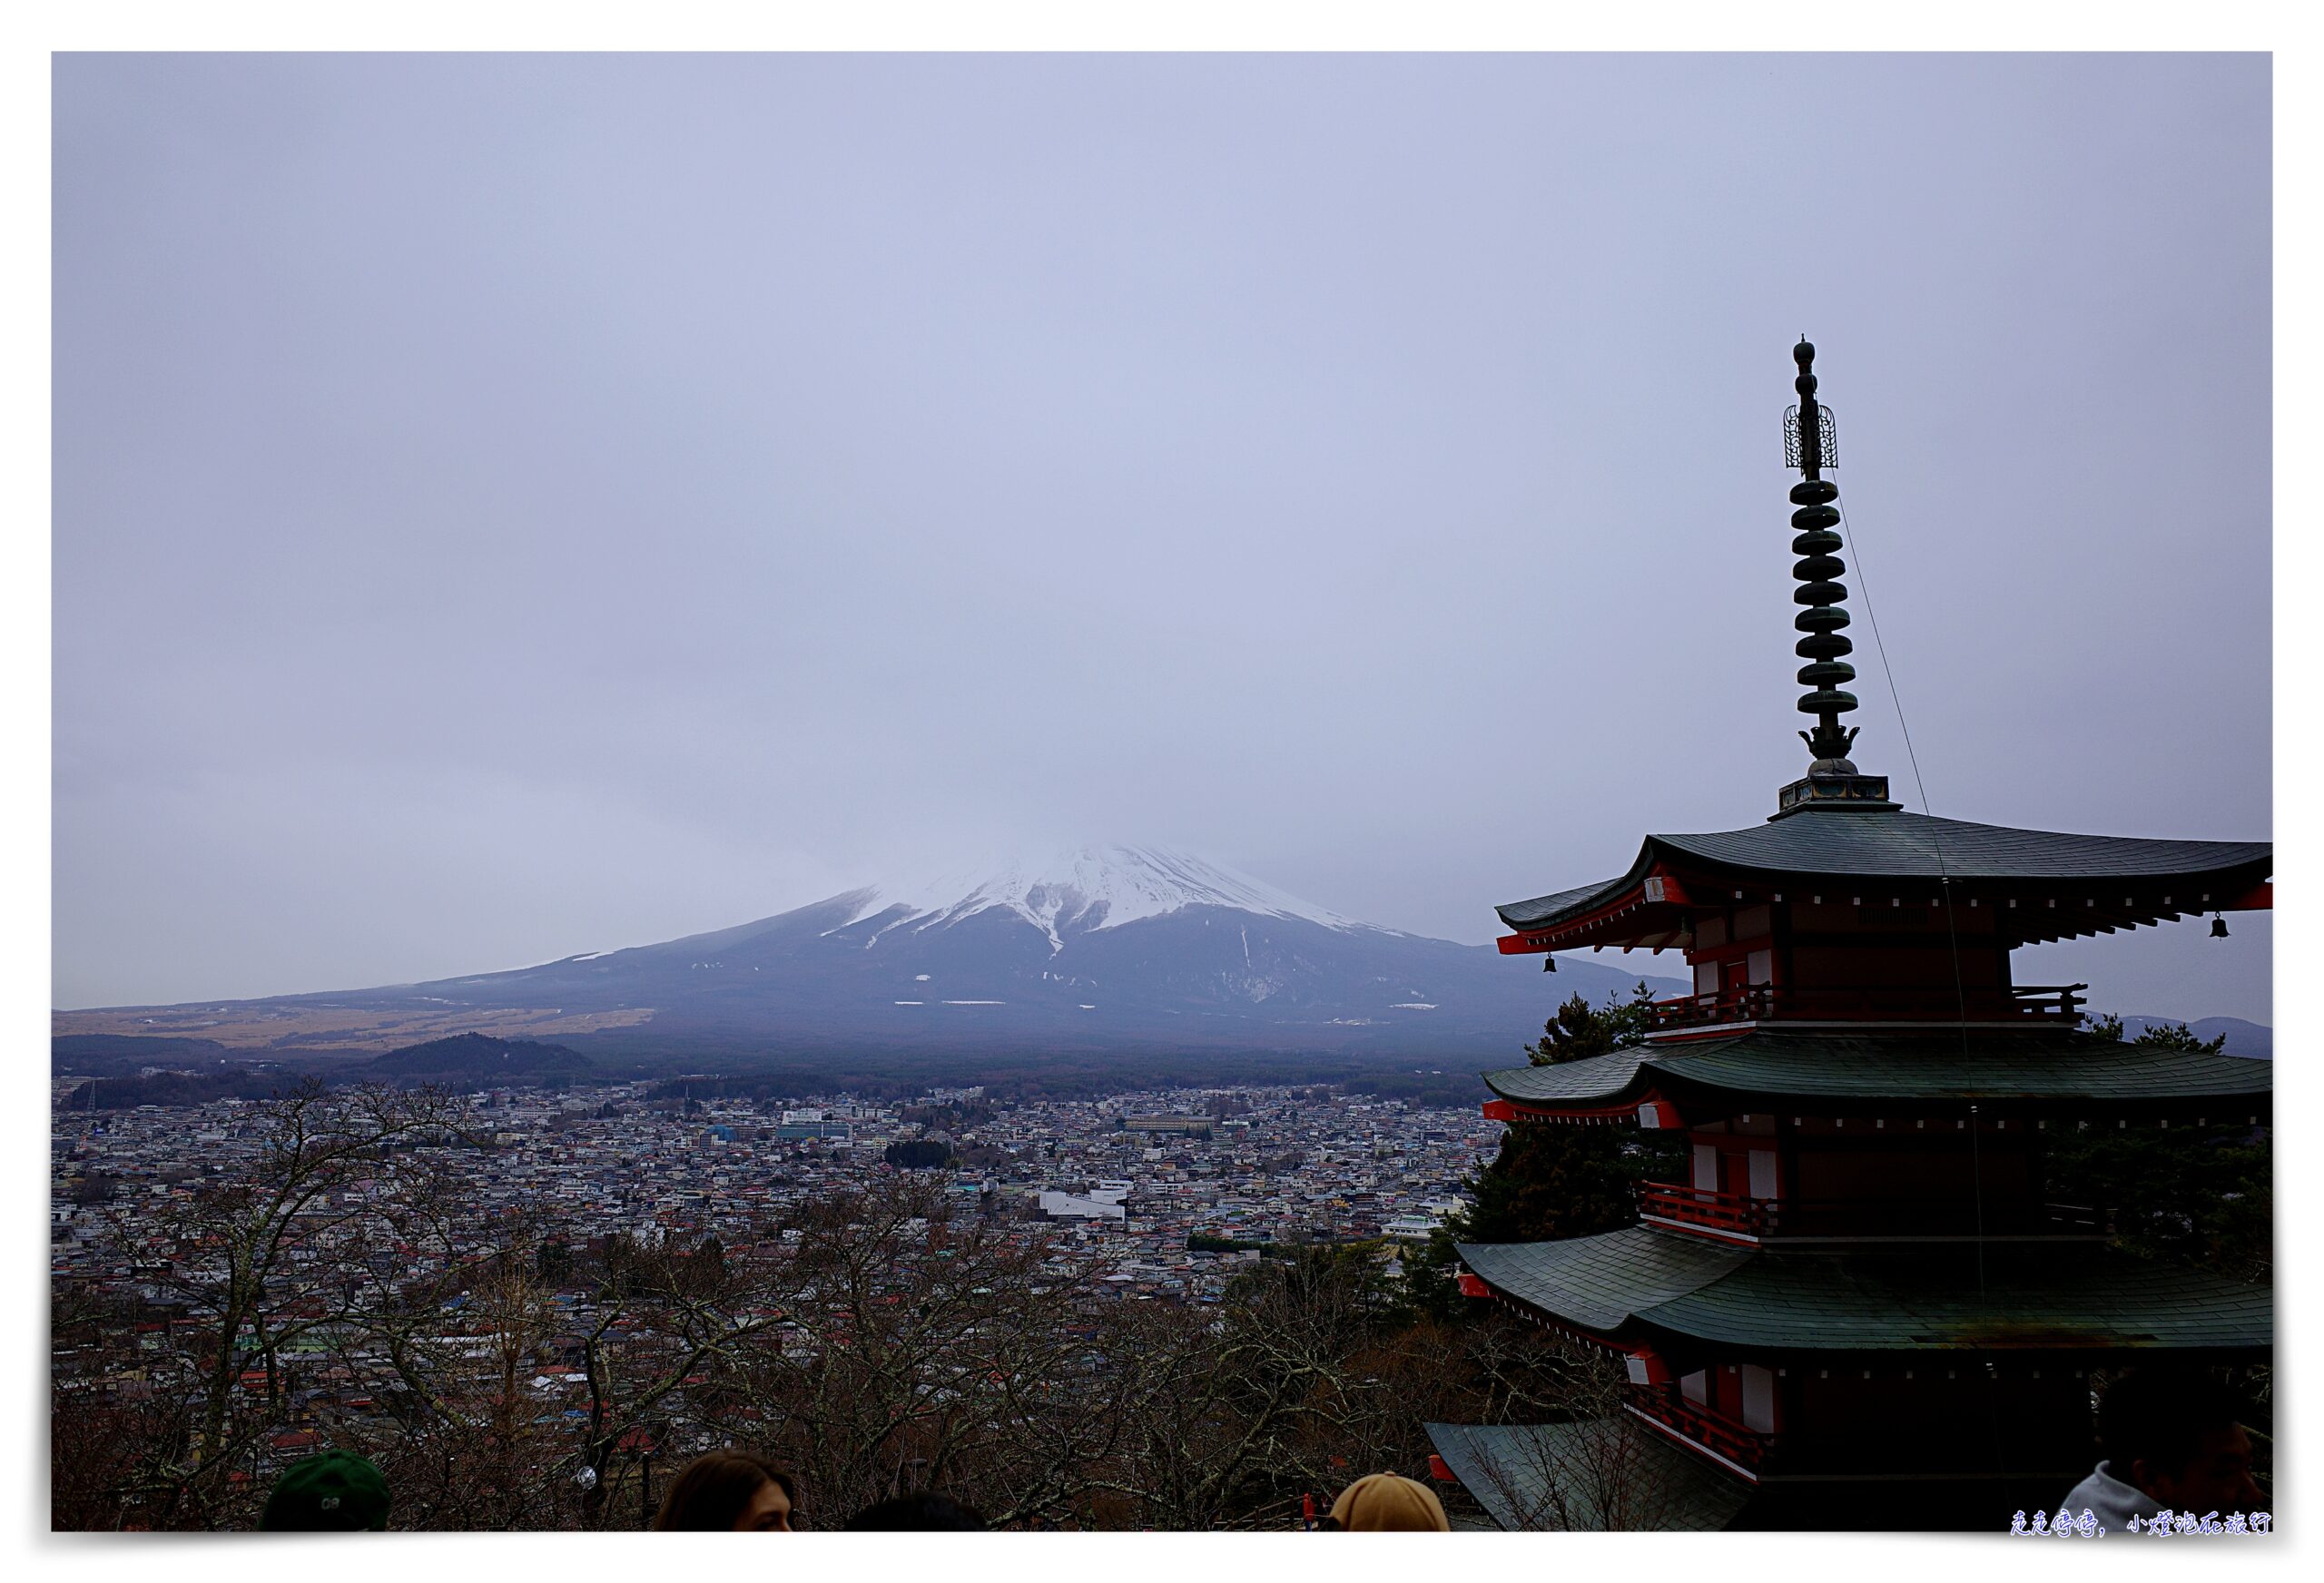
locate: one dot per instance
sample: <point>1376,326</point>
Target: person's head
<point>926,1512</point>
<point>329,1492</point>
<point>728,1491</point>
<point>1389,1503</point>
<point>2176,1438</point>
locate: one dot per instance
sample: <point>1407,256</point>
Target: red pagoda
<point>1856,1310</point>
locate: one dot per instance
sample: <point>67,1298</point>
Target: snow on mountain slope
<point>1081,888</point>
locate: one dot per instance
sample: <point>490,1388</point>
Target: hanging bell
<point>2219,927</point>
<point>1548,964</point>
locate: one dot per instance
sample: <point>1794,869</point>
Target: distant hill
<point>178,1089</point>
<point>473,1058</point>
<point>2243,1038</point>
<point>109,1053</point>
<point>469,1058</point>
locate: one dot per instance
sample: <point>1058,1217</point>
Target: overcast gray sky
<point>514,507</point>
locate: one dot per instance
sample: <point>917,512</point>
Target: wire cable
<point>1943,880</point>
<point>1953,942</point>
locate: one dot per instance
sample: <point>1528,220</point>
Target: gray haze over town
<point>511,507</point>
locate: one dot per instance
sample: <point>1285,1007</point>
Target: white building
<point>1074,1206</point>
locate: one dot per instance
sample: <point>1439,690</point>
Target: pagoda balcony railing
<point>2034,1005</point>
<point>1729,1212</point>
<point>1737,1215</point>
<point>1667,1406</point>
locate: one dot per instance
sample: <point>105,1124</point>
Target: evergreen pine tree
<point>1553,1180</point>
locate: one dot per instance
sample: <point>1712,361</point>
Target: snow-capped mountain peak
<point>1083,888</point>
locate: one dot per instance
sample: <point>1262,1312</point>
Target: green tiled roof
<point>1901,844</point>
<point>1904,1068</point>
<point>2021,1066</point>
<point>1598,1474</point>
<point>2085,1298</point>
<point>1945,1298</point>
<point>1569,904</point>
<point>1864,844</point>
<point>1599,1080</point>
<point>1600,1281</point>
<point>1581,899</point>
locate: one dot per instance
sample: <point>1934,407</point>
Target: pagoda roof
<point>1596,1082</point>
<point>2048,1067</point>
<point>1863,843</point>
<point>1595,1474</point>
<point>1639,1281</point>
<point>1602,1283</point>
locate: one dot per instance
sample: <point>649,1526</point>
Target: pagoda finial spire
<point>1810,446</point>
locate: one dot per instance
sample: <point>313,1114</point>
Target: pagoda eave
<point>1600,1473</point>
<point>1937,1071</point>
<point>2055,886</point>
<point>1669,1292</point>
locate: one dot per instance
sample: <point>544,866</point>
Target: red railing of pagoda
<point>2040,1005</point>
<point>1701,1425</point>
<point>1730,1212</point>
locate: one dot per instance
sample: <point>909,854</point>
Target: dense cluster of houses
<point>1146,1195</point>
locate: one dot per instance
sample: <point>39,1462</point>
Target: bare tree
<point>509,1372</point>
<point>1553,1449</point>
<point>910,1349</point>
<point>302,1249</point>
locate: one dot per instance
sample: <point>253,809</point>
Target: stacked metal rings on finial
<point>1817,572</point>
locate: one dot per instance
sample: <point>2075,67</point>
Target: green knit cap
<point>329,1492</point>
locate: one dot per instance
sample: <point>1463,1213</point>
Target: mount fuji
<point>1082,948</point>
